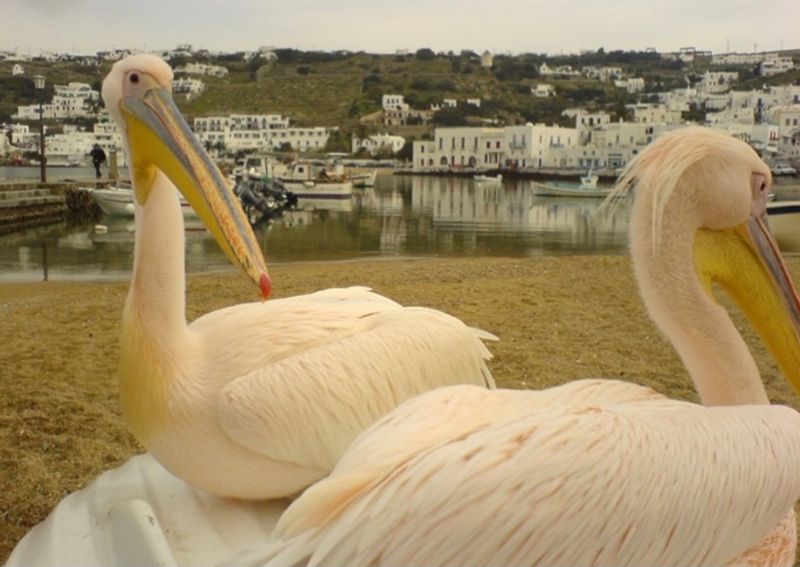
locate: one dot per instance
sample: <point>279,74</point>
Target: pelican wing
<point>646,483</point>
<point>333,391</point>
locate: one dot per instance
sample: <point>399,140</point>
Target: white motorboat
<point>366,179</point>
<point>488,178</point>
<point>309,181</point>
<point>586,188</point>
<point>117,201</point>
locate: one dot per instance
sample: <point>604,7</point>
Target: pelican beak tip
<point>265,284</point>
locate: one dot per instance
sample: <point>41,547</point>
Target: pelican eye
<point>763,186</point>
<point>134,78</point>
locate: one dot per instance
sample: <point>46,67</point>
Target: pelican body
<point>256,400</point>
<point>599,472</point>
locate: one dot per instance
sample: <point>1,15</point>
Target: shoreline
<point>558,318</point>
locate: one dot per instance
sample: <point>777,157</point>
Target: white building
<point>737,59</point>
<point>586,123</point>
<point>742,116</point>
<point>654,114</point>
<point>602,73</point>
<point>632,85</point>
<point>393,102</point>
<point>17,69</point>
<point>787,118</point>
<point>75,100</point>
<point>203,69</point>
<point>775,65</point>
<point>679,100</point>
<point>717,81</point>
<point>254,132</point>
<point>535,145</point>
<point>378,143</point>
<point>487,59</point>
<point>529,146</point>
<point>543,90</point>
<point>188,85</point>
<point>564,71</point>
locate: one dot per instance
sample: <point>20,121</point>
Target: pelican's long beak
<point>746,263</point>
<point>158,137</point>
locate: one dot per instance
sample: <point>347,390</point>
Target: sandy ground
<point>558,318</point>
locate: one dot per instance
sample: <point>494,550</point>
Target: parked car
<point>783,169</point>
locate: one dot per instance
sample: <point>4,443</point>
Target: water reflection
<point>402,215</point>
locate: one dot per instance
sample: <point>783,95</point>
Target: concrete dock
<point>26,204</point>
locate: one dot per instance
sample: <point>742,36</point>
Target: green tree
<point>406,153</point>
<point>425,54</point>
<point>338,141</point>
<point>450,117</point>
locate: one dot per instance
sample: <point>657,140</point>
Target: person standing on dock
<point>98,158</point>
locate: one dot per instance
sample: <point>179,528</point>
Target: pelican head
<point>701,196</point>
<point>137,94</point>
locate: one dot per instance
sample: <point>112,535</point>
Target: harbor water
<point>402,216</point>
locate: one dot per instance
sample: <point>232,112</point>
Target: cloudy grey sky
<point>379,26</point>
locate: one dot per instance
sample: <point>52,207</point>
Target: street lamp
<point>38,83</point>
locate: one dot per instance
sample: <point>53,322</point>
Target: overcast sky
<point>378,26</point>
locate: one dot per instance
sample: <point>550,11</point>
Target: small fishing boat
<point>489,178</point>
<point>366,179</point>
<point>587,188</point>
<point>117,201</point>
<point>307,181</point>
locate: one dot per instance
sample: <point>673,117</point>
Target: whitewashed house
<point>654,114</point>
<point>252,132</point>
<point>203,69</point>
<point>543,90</point>
<point>378,143</point>
<point>487,59</point>
<point>632,84</point>
<point>787,118</point>
<point>605,73</point>
<point>17,70</point>
<point>525,146</point>
<point>564,71</point>
<point>187,85</point>
<point>586,123</point>
<point>715,82</point>
<point>775,65</point>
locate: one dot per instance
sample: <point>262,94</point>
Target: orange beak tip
<point>265,285</point>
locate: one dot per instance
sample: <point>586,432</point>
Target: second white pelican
<point>257,400</point>
<point>599,473</point>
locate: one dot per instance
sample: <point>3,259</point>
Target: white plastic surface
<point>140,515</point>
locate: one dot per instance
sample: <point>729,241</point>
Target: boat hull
<point>319,189</point>
<point>118,202</point>
<point>547,190</point>
<point>784,222</point>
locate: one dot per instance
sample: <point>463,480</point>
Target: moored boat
<point>117,201</point>
<point>366,179</point>
<point>307,180</point>
<point>488,178</point>
<point>587,188</point>
<point>784,222</point>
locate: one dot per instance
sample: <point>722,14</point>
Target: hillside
<point>344,89</point>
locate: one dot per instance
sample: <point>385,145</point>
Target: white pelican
<point>256,400</point>
<point>596,472</point>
